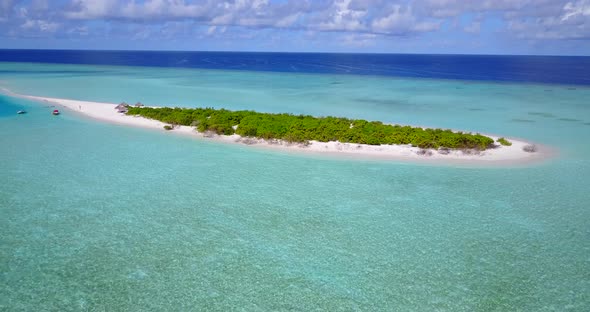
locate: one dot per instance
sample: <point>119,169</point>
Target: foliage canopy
<point>504,142</point>
<point>302,128</point>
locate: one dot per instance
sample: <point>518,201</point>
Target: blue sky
<point>383,26</point>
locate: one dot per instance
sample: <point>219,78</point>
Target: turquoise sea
<point>100,217</point>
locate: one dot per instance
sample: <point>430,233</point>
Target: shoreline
<point>500,156</point>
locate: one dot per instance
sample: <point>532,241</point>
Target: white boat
<point>20,112</point>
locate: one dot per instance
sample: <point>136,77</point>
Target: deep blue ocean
<point>529,69</point>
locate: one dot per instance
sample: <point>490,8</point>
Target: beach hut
<point>138,104</point>
<point>122,108</point>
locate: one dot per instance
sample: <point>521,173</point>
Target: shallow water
<point>104,217</point>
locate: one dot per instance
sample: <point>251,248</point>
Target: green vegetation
<point>504,142</point>
<point>301,129</point>
<point>167,127</point>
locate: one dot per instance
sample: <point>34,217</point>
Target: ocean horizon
<point>477,67</point>
<point>98,216</point>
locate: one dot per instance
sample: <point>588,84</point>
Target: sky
<point>542,27</point>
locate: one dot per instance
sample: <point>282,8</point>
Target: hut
<point>122,108</point>
<point>138,104</point>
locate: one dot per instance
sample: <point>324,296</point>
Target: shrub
<point>444,151</point>
<point>168,127</point>
<point>504,142</point>
<point>531,148</point>
<point>424,152</point>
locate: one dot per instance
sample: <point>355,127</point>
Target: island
<point>332,136</point>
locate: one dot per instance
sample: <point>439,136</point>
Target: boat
<point>20,112</point>
<point>55,112</point>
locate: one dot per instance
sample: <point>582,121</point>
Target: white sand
<point>503,155</point>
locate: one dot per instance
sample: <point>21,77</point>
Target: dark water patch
<point>336,83</point>
<point>476,109</point>
<point>542,114</point>
<point>587,123</point>
<point>569,119</point>
<point>54,72</point>
<point>548,90</point>
<point>522,120</point>
<point>383,102</point>
<point>14,72</point>
<point>571,88</point>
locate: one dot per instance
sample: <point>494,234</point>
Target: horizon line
<point>293,52</point>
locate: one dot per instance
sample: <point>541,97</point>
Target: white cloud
<point>41,25</point>
<point>358,20</point>
<point>362,16</point>
<point>287,21</point>
<point>163,9</point>
<point>571,21</point>
<point>28,24</point>
<point>91,9</point>
<point>359,40</point>
<point>79,30</point>
<point>213,30</point>
<point>340,17</point>
<point>576,9</point>
<point>46,26</point>
<point>400,20</point>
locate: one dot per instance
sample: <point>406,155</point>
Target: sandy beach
<point>502,155</point>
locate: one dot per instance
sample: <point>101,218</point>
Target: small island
<point>342,137</point>
<point>305,128</point>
